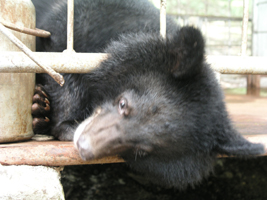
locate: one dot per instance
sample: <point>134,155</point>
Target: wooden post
<point>253,81</point>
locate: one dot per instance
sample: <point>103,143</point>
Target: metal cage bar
<point>17,62</point>
<point>244,27</point>
<point>163,18</point>
<point>35,32</point>
<point>84,62</point>
<point>70,25</point>
<point>56,76</point>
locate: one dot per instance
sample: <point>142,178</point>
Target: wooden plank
<point>249,115</point>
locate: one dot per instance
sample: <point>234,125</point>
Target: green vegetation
<point>240,91</point>
<point>243,91</point>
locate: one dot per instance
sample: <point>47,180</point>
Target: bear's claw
<point>40,109</point>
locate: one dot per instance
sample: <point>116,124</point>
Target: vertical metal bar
<point>244,27</point>
<point>229,27</point>
<point>163,18</point>
<point>70,25</point>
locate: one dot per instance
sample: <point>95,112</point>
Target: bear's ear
<point>187,49</point>
<point>239,146</point>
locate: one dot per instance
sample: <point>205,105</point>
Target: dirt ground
<point>233,179</point>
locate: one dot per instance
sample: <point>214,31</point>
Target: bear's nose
<point>85,148</point>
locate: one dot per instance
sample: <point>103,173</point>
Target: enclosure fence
<point>71,62</point>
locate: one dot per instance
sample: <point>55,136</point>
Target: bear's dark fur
<point>154,101</point>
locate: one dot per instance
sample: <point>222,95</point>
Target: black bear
<point>155,102</point>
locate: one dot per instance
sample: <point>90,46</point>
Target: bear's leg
<point>40,111</point>
<point>64,130</point>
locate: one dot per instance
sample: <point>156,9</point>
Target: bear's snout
<point>102,135</point>
<point>85,148</point>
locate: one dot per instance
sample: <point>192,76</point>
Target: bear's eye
<point>123,107</point>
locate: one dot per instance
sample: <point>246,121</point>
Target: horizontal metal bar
<point>238,64</point>
<point>17,62</point>
<point>259,32</point>
<point>49,153</point>
<point>58,153</point>
<point>56,76</point>
<point>210,17</point>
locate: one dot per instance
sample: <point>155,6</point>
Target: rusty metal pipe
<point>238,64</point>
<point>56,76</point>
<point>17,62</point>
<point>53,153</point>
<point>16,90</point>
<point>58,153</point>
<point>35,32</point>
